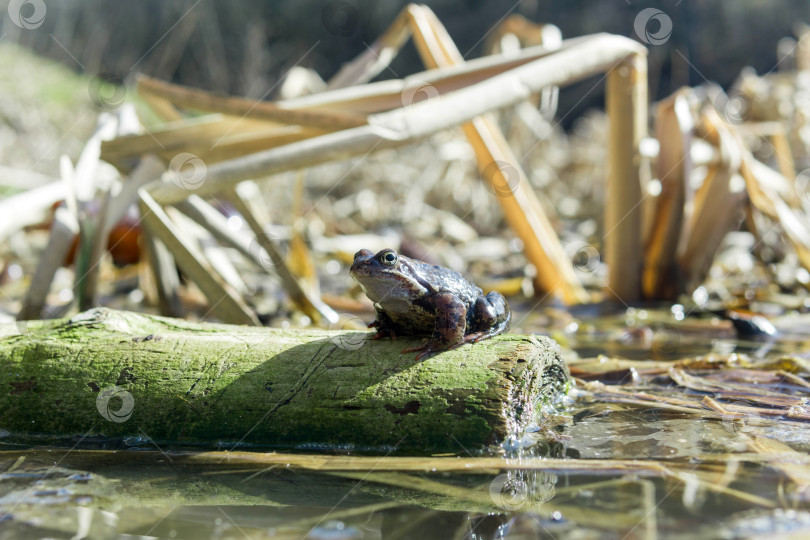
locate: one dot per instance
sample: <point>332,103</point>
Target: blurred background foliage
<point>243,47</point>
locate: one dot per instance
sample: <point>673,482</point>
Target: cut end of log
<point>117,375</point>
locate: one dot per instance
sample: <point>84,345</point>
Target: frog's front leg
<point>449,327</point>
<point>384,326</point>
<point>491,316</point>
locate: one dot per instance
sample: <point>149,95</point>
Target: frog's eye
<point>389,258</point>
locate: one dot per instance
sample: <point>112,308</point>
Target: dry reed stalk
<point>189,98</point>
<point>29,207</point>
<point>515,194</point>
<point>626,105</point>
<point>224,301</point>
<point>311,305</point>
<point>212,138</point>
<point>760,181</point>
<point>64,229</point>
<point>411,123</point>
<point>717,207</point>
<point>404,125</point>
<point>673,129</point>
<point>165,278</point>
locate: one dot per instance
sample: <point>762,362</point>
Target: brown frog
<point>412,297</point>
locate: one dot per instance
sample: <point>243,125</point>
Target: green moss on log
<point>120,374</point>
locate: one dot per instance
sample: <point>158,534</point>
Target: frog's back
<point>440,279</point>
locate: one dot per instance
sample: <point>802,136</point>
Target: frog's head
<point>386,275</point>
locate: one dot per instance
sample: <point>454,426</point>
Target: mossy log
<point>114,374</point>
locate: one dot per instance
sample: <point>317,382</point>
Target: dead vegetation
<point>708,165</point>
<point>249,211</point>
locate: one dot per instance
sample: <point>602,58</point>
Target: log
<point>114,374</point>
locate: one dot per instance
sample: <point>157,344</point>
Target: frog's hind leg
<point>449,328</point>
<point>491,316</point>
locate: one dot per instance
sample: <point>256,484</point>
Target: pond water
<point>674,429</point>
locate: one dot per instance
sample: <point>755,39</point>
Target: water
<point>612,462</point>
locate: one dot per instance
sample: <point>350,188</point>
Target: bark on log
<point>114,374</point>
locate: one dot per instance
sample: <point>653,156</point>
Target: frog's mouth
<point>388,287</point>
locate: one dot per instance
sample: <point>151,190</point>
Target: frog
<point>412,297</point>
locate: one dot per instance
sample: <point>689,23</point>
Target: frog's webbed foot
<point>448,331</point>
<point>384,332</point>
